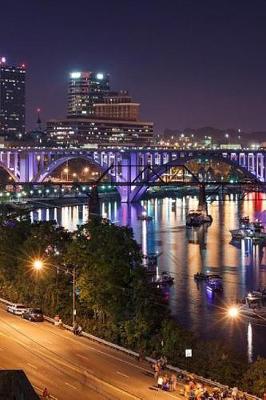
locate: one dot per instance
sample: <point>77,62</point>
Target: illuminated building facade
<point>84,90</point>
<point>12,99</point>
<point>79,132</point>
<point>97,115</point>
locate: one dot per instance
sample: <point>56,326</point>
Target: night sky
<point>190,63</point>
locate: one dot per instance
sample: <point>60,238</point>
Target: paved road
<point>73,368</point>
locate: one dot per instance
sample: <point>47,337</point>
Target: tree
<point>254,380</point>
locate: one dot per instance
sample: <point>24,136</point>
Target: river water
<point>187,251</point>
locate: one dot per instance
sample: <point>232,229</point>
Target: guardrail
<point>135,354</point>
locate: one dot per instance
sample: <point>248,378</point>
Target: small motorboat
<point>197,218</point>
<point>144,217</point>
<point>164,279</point>
<point>215,285</point>
<point>200,276</point>
<point>260,293</point>
<point>252,230</point>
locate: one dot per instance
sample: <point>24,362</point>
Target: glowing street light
<point>38,264</point>
<point>233,312</point>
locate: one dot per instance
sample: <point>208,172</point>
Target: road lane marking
<point>82,356</point>
<point>32,366</point>
<point>120,373</point>
<point>72,386</point>
<point>56,358</point>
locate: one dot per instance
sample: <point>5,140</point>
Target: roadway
<point>73,368</point>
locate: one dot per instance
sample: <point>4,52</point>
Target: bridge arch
<point>137,193</point>
<point>40,177</point>
<point>8,171</point>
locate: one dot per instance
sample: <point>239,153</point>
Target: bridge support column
<point>24,167</point>
<point>129,173</point>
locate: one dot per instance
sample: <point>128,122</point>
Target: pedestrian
<point>75,328</point>
<point>156,370</point>
<point>45,393</point>
<point>235,392</point>
<point>79,330</point>
<point>173,382</point>
<point>160,382</point>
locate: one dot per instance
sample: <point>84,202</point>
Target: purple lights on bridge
<point>130,170</point>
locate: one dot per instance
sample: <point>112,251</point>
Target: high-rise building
<point>12,99</point>
<point>84,90</point>
<point>97,115</point>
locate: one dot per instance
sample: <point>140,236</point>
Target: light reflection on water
<point>187,251</point>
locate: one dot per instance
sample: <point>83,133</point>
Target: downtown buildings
<point>12,100</point>
<point>97,115</point>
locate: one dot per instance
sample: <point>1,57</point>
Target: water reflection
<point>187,251</point>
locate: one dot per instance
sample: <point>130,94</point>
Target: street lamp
<point>38,265</point>
<point>233,312</point>
<point>66,171</point>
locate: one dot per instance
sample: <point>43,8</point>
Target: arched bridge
<point>131,170</point>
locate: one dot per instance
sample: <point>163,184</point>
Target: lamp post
<point>38,265</point>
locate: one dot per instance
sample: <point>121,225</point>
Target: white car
<point>17,309</point>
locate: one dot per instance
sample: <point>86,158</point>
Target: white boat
<point>197,218</point>
<point>252,230</point>
<point>255,305</point>
<point>144,217</point>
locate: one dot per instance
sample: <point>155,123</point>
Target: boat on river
<point>144,217</point>
<point>197,218</point>
<point>215,285</point>
<point>254,305</point>
<point>251,230</point>
<point>164,279</point>
<point>201,276</point>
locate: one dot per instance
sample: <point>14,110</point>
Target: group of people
<point>189,388</point>
<point>164,381</point>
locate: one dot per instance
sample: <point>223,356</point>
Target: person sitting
<point>79,330</point>
<point>75,328</point>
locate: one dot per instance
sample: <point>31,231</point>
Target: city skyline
<point>190,65</point>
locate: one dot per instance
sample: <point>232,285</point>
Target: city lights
<point>75,75</point>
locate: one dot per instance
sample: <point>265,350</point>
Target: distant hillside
<point>218,135</point>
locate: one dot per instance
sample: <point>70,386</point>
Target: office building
<point>12,99</point>
<point>97,115</point>
<point>80,132</point>
<point>117,106</point>
<point>84,90</point>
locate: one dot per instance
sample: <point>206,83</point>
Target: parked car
<point>33,314</point>
<point>17,309</point>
